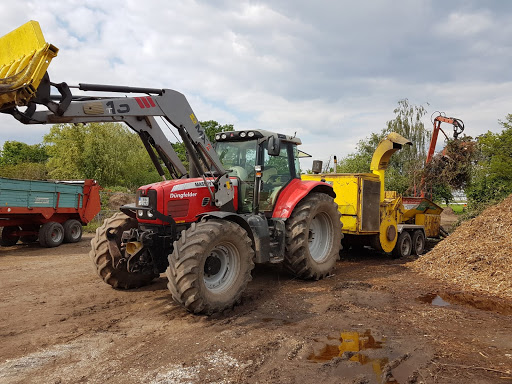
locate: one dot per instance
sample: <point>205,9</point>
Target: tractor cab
<point>263,162</point>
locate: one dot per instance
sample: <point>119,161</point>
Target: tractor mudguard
<point>294,192</point>
<point>256,227</point>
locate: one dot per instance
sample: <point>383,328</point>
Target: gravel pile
<point>477,256</point>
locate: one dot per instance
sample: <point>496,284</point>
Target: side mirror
<point>274,146</point>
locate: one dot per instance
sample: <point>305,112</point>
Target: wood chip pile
<point>477,256</point>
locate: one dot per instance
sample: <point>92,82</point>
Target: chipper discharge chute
<point>24,58</point>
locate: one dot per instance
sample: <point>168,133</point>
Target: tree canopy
<point>405,165</point>
<point>492,177</point>
<point>24,161</point>
<point>107,152</point>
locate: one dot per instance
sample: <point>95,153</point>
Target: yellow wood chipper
<point>384,220</point>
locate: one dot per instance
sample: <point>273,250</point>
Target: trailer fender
<point>294,192</point>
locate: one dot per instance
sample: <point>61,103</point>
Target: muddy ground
<point>373,321</point>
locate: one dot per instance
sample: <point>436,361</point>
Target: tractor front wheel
<point>313,237</point>
<point>117,276</point>
<point>210,266</point>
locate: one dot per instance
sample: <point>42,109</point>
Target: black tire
<point>220,247</point>
<point>118,277</point>
<point>403,245</point>
<point>72,231</point>
<point>51,234</point>
<point>28,239</point>
<point>313,237</point>
<point>8,237</point>
<point>418,242</point>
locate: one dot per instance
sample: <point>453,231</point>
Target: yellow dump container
<point>24,58</point>
<point>422,211</point>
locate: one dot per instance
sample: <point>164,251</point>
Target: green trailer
<point>49,211</point>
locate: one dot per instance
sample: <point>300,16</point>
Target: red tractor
<point>242,202</point>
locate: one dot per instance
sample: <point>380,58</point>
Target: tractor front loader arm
<point>137,112</point>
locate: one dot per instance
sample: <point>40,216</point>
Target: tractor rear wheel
<point>313,237</point>
<point>117,276</point>
<point>210,266</point>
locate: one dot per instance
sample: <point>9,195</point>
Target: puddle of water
<point>483,303</point>
<point>350,342</point>
<point>276,320</point>
<point>353,343</point>
<point>434,299</point>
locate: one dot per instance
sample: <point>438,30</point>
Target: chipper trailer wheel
<point>403,247</point>
<point>418,242</point>
<point>117,276</point>
<point>210,266</point>
<point>313,237</point>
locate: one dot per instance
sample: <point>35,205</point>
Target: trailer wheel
<point>119,276</point>
<point>51,234</point>
<point>72,231</point>
<point>418,242</point>
<point>8,237</point>
<point>403,245</point>
<point>210,266</point>
<point>27,239</point>
<point>313,237</point>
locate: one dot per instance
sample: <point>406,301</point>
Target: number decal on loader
<point>123,108</point>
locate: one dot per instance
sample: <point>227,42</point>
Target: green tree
<point>28,171</point>
<point>23,161</point>
<point>16,152</point>
<point>211,128</point>
<point>107,152</point>
<point>492,177</point>
<point>405,165</point>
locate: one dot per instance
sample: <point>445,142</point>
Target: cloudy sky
<point>331,71</point>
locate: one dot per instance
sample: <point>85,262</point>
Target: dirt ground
<point>373,321</point>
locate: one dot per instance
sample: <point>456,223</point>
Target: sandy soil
<point>373,321</point>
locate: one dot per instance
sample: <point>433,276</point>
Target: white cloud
<point>330,71</point>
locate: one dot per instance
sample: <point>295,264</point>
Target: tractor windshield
<point>239,159</point>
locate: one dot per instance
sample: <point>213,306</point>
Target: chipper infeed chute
<point>24,58</point>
